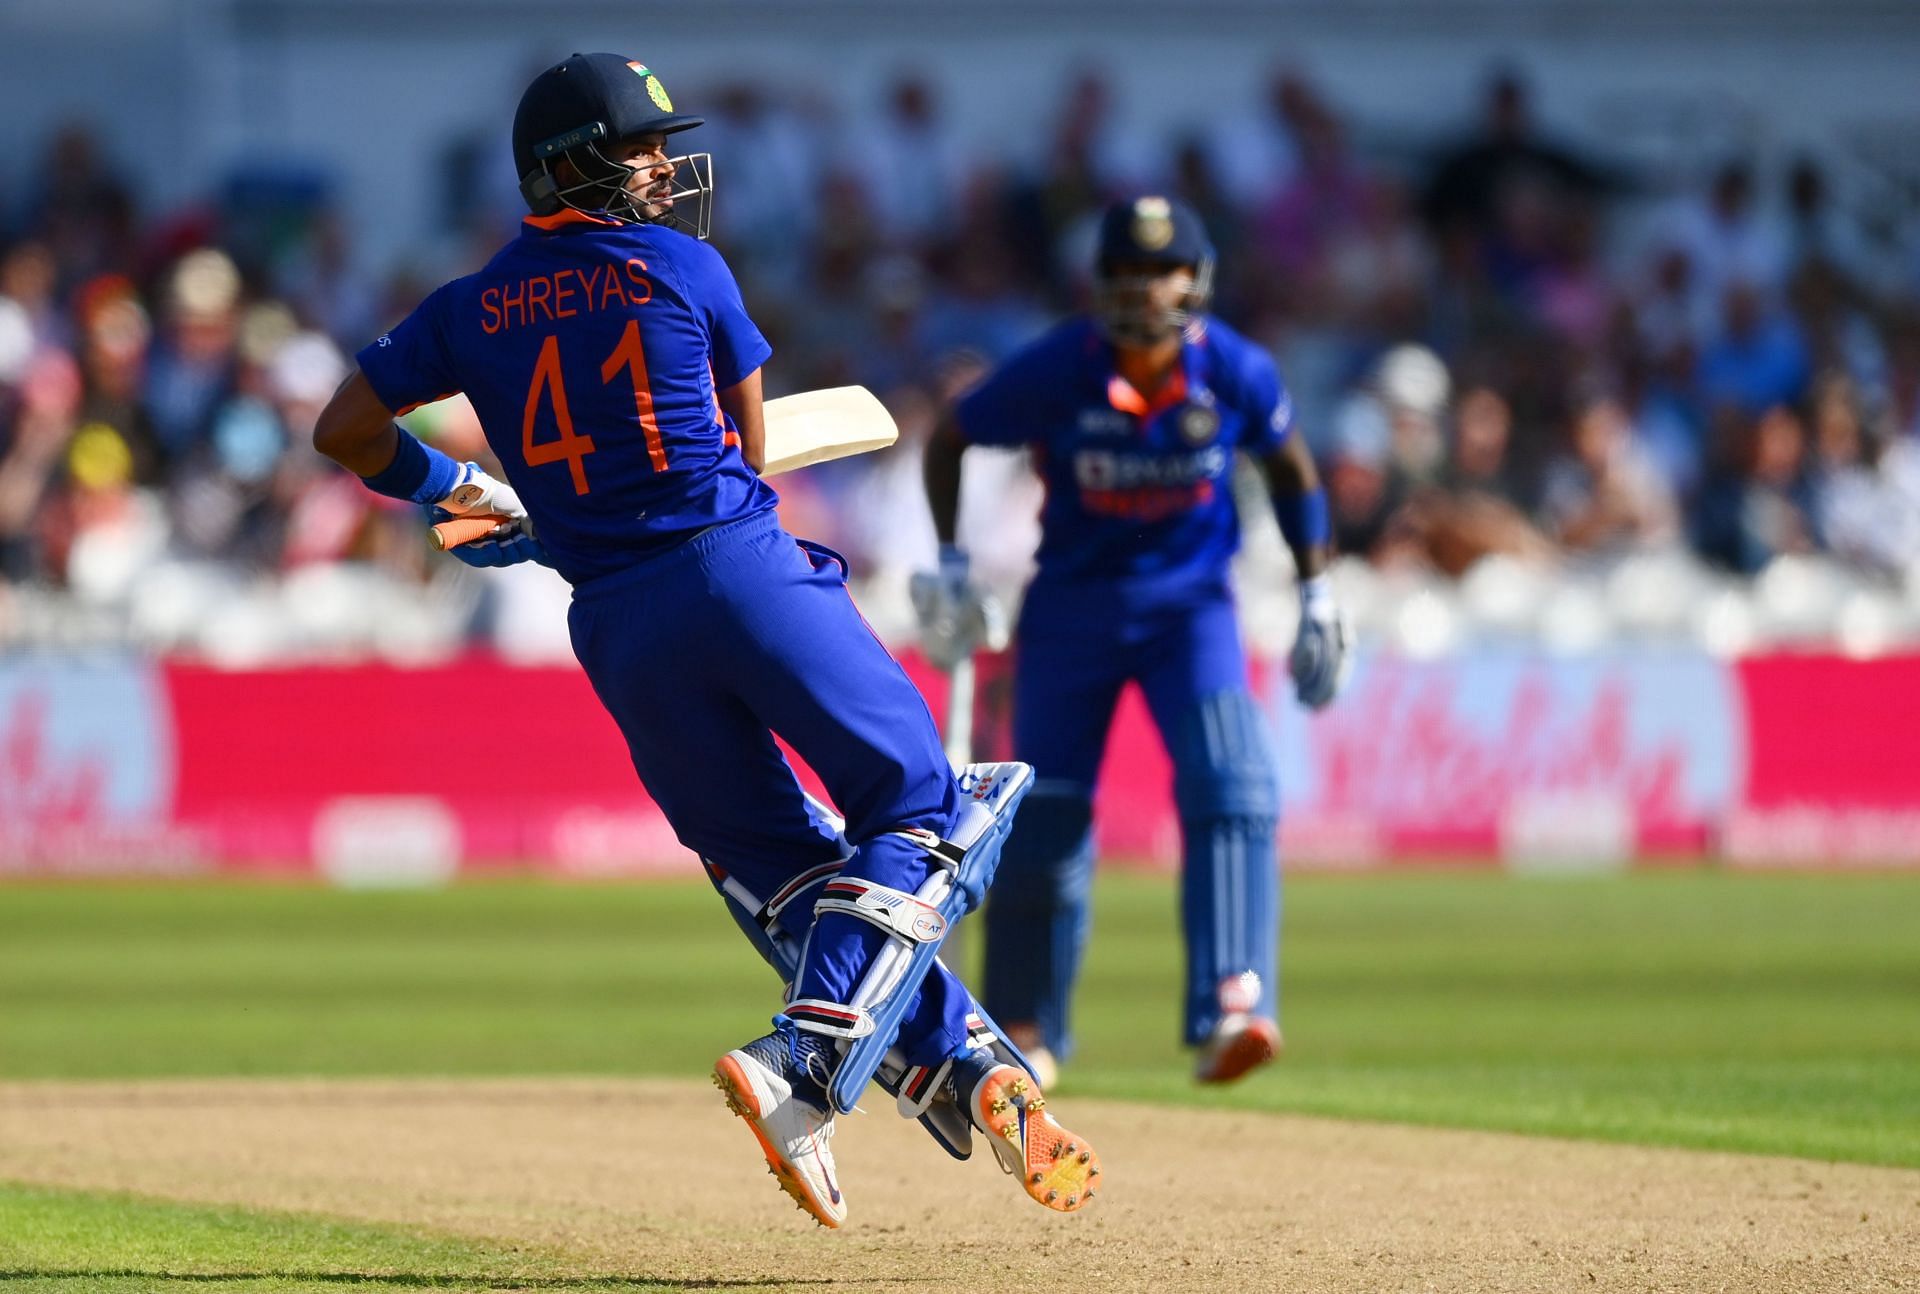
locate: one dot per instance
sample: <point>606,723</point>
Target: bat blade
<point>817,426</point>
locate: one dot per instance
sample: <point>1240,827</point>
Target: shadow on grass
<point>406,1280</point>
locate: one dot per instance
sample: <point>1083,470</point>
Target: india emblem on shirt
<point>1198,424</point>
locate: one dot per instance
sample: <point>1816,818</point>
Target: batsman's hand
<point>1321,659</point>
<point>510,542</point>
<point>957,618</point>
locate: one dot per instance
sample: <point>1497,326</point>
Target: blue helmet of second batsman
<point>1139,298</point>
<point>577,112</point>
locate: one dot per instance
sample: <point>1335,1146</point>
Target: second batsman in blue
<point>1136,413</point>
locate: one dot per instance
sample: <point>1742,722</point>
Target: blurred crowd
<point>1510,354</point>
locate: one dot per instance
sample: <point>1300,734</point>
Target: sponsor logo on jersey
<point>1282,415</point>
<point>1105,469</point>
<point>1105,421</point>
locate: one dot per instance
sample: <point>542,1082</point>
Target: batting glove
<point>511,542</point>
<point>956,617</point>
<point>1321,659</point>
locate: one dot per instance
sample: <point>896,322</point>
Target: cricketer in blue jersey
<point>1135,415</point>
<point>616,372</point>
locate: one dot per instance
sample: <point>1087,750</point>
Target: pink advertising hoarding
<point>120,765</point>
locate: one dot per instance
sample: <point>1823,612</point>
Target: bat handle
<point>958,737</point>
<point>463,530</point>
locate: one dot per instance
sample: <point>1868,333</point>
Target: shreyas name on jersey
<point>563,294</point>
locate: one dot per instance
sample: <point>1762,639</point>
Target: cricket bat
<point>816,426</point>
<point>811,427</point>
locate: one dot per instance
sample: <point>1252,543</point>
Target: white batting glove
<point>956,617</point>
<point>511,542</point>
<point>1321,659</point>
<point>476,491</point>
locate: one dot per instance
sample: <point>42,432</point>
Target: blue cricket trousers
<point>701,655</point>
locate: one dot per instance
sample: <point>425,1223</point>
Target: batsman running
<point>618,377</point>
<point>1135,415</point>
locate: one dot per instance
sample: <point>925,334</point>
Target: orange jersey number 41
<point>569,447</point>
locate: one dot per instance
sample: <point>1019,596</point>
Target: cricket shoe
<point>778,1085</point>
<point>1239,1044</point>
<point>1054,1166</point>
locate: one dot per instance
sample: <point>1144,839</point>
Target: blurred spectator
<point>1395,491</point>
<point>1729,239</point>
<point>46,400</point>
<point>325,285</point>
<point>99,531</point>
<point>1817,233</point>
<point>1297,227</point>
<point>1758,359</point>
<point>28,278</point>
<point>192,367</point>
<point>1755,505</point>
<point>1604,494</point>
<point>1841,336</point>
<point>912,166</point>
<point>1194,179</point>
<point>771,197</point>
<point>1255,152</point>
<point>1465,509</point>
<point>1866,493</point>
<point>159,368</point>
<point>83,213</point>
<point>1482,435</point>
<point>1477,184</point>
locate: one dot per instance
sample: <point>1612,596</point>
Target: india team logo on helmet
<point>655,91</point>
<point>1142,240</point>
<point>1152,223</point>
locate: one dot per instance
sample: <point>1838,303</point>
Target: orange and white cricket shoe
<point>768,1083</point>
<point>1054,1166</point>
<point>1239,1044</point>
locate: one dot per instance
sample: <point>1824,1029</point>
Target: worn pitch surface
<point>654,1179</point>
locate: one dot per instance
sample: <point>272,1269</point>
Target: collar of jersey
<point>1122,395</point>
<point>565,217</point>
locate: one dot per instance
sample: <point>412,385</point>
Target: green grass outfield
<point>1757,1013</point>
<point>65,1242</point>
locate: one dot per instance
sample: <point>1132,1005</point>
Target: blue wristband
<point>418,473</point>
<point>1304,520</point>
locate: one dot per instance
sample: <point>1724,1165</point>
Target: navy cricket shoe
<point>1055,1167</point>
<point>778,1084</point>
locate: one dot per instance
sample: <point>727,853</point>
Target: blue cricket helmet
<point>1152,229</point>
<point>576,108</point>
<point>1153,233</point>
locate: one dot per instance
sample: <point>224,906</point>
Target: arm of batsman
<point>957,617</point>
<point>1322,656</point>
<point>511,542</point>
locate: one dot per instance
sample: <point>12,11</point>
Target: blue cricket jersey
<point>593,353</point>
<point>1138,491</point>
